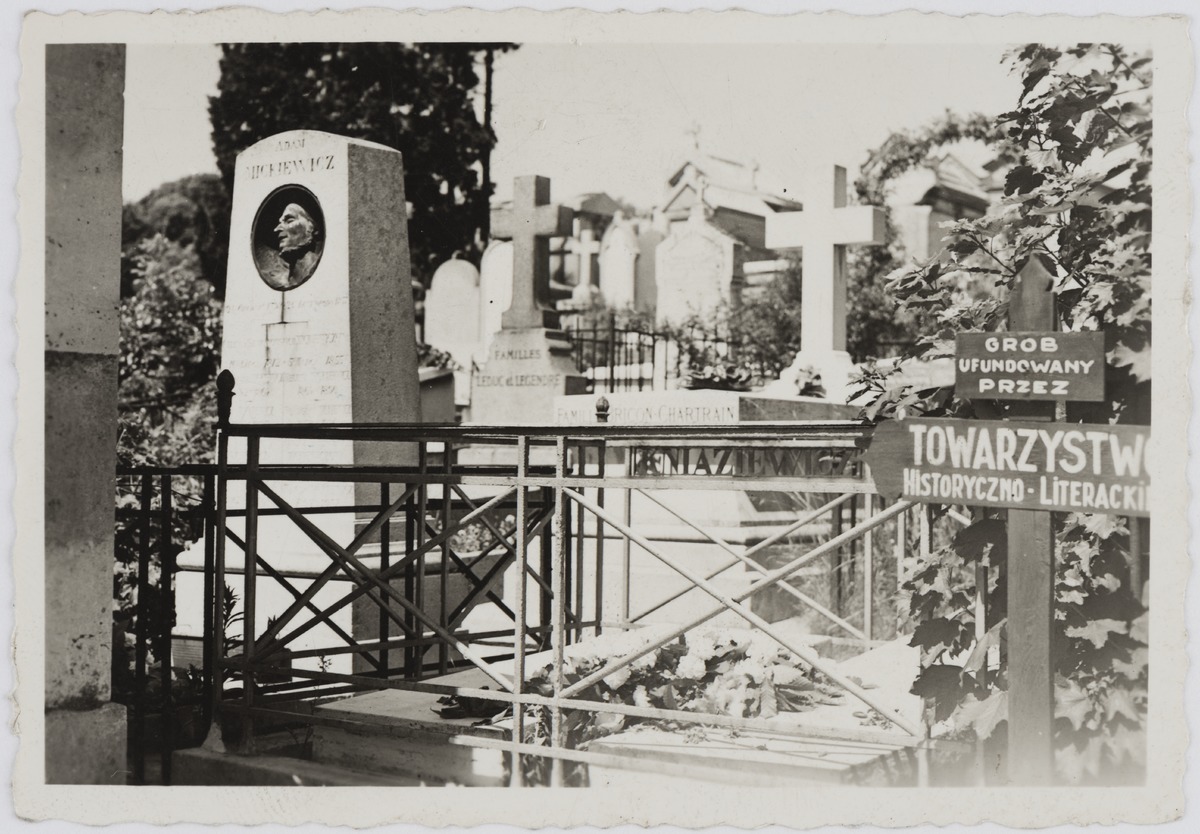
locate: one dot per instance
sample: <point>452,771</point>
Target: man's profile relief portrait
<point>288,237</point>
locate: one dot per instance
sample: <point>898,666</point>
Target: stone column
<point>85,732</point>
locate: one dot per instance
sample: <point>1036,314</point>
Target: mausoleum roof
<point>729,180</point>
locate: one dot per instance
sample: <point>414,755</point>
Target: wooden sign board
<point>1052,467</point>
<point>1030,366</point>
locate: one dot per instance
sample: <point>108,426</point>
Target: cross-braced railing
<point>472,522</point>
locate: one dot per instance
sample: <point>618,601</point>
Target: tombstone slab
<point>618,263</point>
<point>454,320</point>
<point>645,272</point>
<point>697,269</point>
<point>524,373</point>
<point>323,335</point>
<point>495,290</point>
<point>695,408</point>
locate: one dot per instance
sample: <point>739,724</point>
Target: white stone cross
<point>530,224</point>
<point>823,231</point>
<point>586,247</point>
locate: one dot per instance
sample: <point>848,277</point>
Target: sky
<point>616,118</point>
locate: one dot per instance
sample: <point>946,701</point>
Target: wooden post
<point>868,572</point>
<point>1031,578</point>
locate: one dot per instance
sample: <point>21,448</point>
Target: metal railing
<point>519,523</point>
<point>159,512</point>
<point>555,478</point>
<point>621,359</point>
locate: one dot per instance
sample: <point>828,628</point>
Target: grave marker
<point>318,324</point>
<point>618,263</point>
<point>454,319</point>
<point>1077,467</point>
<point>586,248</point>
<point>318,316</point>
<point>495,290</point>
<point>529,360</point>
<point>530,224</point>
<point>822,231</point>
<point>697,268</point>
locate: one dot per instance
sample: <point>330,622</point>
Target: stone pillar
<point>85,732</point>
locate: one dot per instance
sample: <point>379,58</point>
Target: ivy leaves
<point>1076,195</point>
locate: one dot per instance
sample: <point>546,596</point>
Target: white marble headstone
<point>695,269</point>
<point>618,261</point>
<point>336,345</point>
<point>495,288</point>
<point>453,319</point>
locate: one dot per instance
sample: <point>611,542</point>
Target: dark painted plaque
<point>1030,366</point>
<point>1059,467</point>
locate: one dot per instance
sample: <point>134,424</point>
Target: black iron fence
<point>159,513</point>
<point>620,359</point>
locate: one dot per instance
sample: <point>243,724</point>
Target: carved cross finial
<point>530,224</point>
<point>823,230</point>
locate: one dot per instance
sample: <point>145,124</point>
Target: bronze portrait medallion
<point>288,237</point>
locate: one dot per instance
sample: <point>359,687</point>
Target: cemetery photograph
<point>689,408</point>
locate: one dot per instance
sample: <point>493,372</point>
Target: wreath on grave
<point>719,376</point>
<point>721,672</point>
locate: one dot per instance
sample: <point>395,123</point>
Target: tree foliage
<point>1077,196</point>
<point>191,212</point>
<point>876,326</point>
<point>416,98</point>
<point>170,326</point>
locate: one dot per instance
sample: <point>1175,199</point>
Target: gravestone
<point>454,320</point>
<point>529,359</point>
<point>645,271</point>
<point>618,263</point>
<point>697,268</point>
<point>586,248</point>
<point>586,295</point>
<point>318,317</point>
<point>822,231</point>
<point>495,290</point>
<point>318,324</point>
<point>695,408</point>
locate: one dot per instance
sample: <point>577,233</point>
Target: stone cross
<point>586,248</point>
<point>823,231</point>
<point>530,224</point>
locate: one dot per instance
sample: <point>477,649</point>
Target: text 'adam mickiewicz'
<point>289,167</point>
